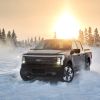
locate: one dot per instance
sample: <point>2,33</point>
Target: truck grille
<point>41,60</point>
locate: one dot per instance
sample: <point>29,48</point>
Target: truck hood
<point>46,52</point>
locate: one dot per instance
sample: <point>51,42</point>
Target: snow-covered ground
<point>85,86</point>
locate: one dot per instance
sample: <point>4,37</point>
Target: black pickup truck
<point>55,57</point>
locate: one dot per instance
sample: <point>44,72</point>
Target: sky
<point>31,18</point>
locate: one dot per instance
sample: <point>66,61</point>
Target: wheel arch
<point>88,58</point>
<point>69,62</point>
<point>66,62</point>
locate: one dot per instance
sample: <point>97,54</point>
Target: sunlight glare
<point>67,26</point>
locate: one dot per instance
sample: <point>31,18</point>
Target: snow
<point>85,86</point>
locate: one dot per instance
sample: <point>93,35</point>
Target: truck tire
<point>87,66</point>
<point>68,73</point>
<point>25,74</point>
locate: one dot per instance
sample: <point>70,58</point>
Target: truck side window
<point>79,45</point>
<point>74,46</point>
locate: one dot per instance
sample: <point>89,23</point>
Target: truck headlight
<point>58,61</point>
<point>23,60</point>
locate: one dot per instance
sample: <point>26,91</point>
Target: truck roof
<point>58,40</point>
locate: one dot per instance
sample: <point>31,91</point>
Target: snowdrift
<point>85,86</point>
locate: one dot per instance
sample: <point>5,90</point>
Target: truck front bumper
<point>42,69</point>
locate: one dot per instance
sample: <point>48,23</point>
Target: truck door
<point>81,55</point>
<point>75,56</point>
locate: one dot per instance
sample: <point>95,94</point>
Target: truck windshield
<point>54,45</point>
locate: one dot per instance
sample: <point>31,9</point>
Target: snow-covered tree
<point>96,36</point>
<point>9,35</point>
<point>86,36</point>
<point>0,36</point>
<point>81,36</point>
<point>35,39</point>
<point>3,36</point>
<point>90,36</point>
<point>14,38</point>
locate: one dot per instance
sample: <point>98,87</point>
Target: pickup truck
<point>59,57</point>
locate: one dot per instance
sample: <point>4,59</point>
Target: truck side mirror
<point>75,51</point>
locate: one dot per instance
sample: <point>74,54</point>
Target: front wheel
<point>68,73</point>
<point>25,74</point>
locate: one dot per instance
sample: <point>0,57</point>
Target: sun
<point>67,26</point>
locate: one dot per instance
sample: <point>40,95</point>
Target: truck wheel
<point>87,67</point>
<point>26,75</point>
<point>68,73</point>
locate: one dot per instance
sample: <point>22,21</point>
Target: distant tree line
<point>8,38</point>
<point>89,36</point>
<point>30,42</point>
